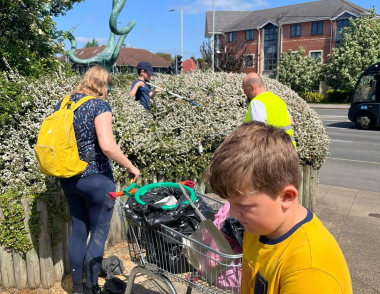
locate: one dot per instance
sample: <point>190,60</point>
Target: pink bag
<point>230,278</point>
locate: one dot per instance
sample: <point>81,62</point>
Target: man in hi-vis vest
<point>266,107</point>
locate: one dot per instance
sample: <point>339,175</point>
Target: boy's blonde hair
<point>254,158</point>
<point>95,82</point>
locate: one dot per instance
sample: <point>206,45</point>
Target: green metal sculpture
<point>108,56</point>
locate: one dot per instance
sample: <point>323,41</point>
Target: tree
<point>359,48</point>
<point>167,56</point>
<point>92,43</point>
<point>24,34</point>
<point>229,57</point>
<point>300,73</point>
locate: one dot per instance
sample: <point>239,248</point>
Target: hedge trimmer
<point>173,94</point>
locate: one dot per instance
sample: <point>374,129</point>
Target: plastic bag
<point>182,218</point>
<point>234,229</point>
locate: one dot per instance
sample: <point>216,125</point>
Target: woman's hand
<point>135,172</point>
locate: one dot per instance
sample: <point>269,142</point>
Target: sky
<point>157,29</point>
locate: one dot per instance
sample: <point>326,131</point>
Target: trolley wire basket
<point>159,254</point>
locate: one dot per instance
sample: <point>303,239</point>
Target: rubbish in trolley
<point>168,263</point>
<point>208,234</point>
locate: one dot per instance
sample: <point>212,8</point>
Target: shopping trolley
<point>153,252</point>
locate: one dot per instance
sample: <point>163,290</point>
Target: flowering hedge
<point>163,142</point>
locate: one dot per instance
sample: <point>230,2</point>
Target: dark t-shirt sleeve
<point>101,106</point>
<point>134,83</point>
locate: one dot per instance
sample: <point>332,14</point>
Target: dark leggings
<point>91,212</point>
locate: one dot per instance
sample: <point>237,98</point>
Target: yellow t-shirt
<point>306,260</point>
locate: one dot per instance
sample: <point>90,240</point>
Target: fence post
<point>45,248</point>
<point>6,265</point>
<point>21,274</point>
<point>300,190</point>
<point>32,260</point>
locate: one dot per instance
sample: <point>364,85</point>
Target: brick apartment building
<point>127,60</point>
<point>315,26</point>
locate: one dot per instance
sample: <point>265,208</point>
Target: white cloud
<point>228,5</point>
<point>101,41</point>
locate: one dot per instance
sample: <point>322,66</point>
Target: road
<point>354,159</point>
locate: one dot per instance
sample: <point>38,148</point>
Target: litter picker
<point>200,147</point>
<point>173,94</point>
<point>207,234</point>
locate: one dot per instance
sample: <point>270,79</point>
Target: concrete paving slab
<point>370,278</point>
<point>361,259</point>
<point>362,206</point>
<point>342,191</point>
<point>340,204</point>
<point>359,287</point>
<point>367,194</point>
<point>356,242</point>
<point>322,190</point>
<point>332,221</point>
<point>362,227</point>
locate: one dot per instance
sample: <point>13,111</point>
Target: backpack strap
<point>76,106</point>
<point>81,101</point>
<point>65,101</point>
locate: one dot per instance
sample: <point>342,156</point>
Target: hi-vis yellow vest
<point>56,149</point>
<point>277,113</point>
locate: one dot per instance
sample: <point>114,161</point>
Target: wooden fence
<point>42,267</point>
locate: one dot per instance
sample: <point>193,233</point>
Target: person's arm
<point>291,119</point>
<point>312,281</point>
<point>103,127</point>
<point>132,93</point>
<point>154,93</point>
<point>258,111</point>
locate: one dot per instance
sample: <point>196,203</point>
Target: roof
<point>127,56</point>
<point>189,65</point>
<point>222,20</point>
<point>304,12</point>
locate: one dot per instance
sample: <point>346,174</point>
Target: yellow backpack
<point>56,149</point>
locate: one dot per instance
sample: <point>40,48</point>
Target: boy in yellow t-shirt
<point>286,248</point>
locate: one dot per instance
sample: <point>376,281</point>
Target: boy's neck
<point>295,214</point>
<point>141,78</point>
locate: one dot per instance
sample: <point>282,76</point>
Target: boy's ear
<point>288,195</point>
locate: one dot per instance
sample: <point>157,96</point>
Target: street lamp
<point>181,28</point>
<point>213,37</point>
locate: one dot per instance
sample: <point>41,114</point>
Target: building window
<point>316,55</point>
<point>217,44</point>
<point>341,24</point>
<point>249,35</point>
<point>317,28</point>
<point>270,47</point>
<point>249,60</point>
<point>295,30</point>
<point>231,36</point>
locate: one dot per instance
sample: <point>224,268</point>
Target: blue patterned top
<point>85,134</point>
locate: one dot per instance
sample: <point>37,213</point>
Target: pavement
<point>328,106</point>
<point>345,213</point>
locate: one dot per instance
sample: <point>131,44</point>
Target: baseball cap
<point>147,67</point>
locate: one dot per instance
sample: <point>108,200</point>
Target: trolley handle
<point>114,195</point>
<point>130,191</point>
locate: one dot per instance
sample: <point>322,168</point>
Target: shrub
<point>165,145</point>
<point>338,96</point>
<point>312,96</point>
